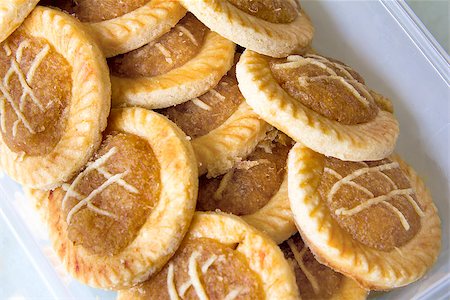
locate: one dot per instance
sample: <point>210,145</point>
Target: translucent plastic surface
<point>387,45</point>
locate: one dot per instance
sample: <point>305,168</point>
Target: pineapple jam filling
<point>95,10</point>
<point>207,112</point>
<point>315,281</point>
<point>325,86</point>
<point>35,92</point>
<point>113,197</point>
<point>274,11</point>
<point>172,50</point>
<point>218,269</point>
<point>372,201</point>
<point>251,184</point>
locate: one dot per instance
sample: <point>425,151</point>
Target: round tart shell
<point>334,247</point>
<point>88,109</point>
<point>166,225</point>
<point>181,84</point>
<point>275,218</point>
<point>219,150</point>
<point>137,28</point>
<point>12,14</point>
<point>276,40</point>
<point>373,140</point>
<point>263,255</point>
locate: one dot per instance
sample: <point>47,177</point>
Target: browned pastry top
<point>251,184</point>
<point>219,269</point>
<point>274,11</point>
<point>315,281</point>
<point>97,11</point>
<point>372,201</point>
<point>35,92</point>
<point>326,86</point>
<point>209,111</point>
<point>107,204</point>
<point>172,50</point>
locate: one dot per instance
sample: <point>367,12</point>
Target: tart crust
<point>276,40</point>
<point>166,225</point>
<point>262,254</point>
<point>219,150</point>
<point>12,14</point>
<point>181,84</point>
<point>348,289</point>
<point>275,218</point>
<point>334,247</point>
<point>372,140</point>
<point>88,109</point>
<point>136,28</point>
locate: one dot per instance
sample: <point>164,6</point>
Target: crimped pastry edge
<point>276,40</point>
<point>88,109</point>
<point>263,255</point>
<point>181,84</point>
<point>219,150</point>
<point>12,14</point>
<point>373,140</point>
<point>136,28</point>
<point>372,269</point>
<point>166,225</point>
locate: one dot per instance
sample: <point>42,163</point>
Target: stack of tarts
<point>111,110</point>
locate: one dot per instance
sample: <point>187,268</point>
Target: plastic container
<point>390,47</point>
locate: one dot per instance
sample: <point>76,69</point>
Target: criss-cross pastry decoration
<point>87,200</point>
<point>194,279</point>
<point>298,256</point>
<point>383,199</point>
<point>184,31</point>
<point>205,106</point>
<point>166,52</point>
<point>25,80</point>
<point>361,92</point>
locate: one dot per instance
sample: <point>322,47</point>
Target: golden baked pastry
<point>319,102</point>
<point>315,280</point>
<point>221,258</point>
<point>54,99</point>
<point>183,64</point>
<point>126,213</point>
<point>122,26</point>
<point>373,221</point>
<point>222,126</point>
<point>255,189</point>
<point>12,14</point>
<point>272,27</point>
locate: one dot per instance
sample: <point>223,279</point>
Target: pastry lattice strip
<point>25,81</point>
<point>86,200</point>
<point>383,199</point>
